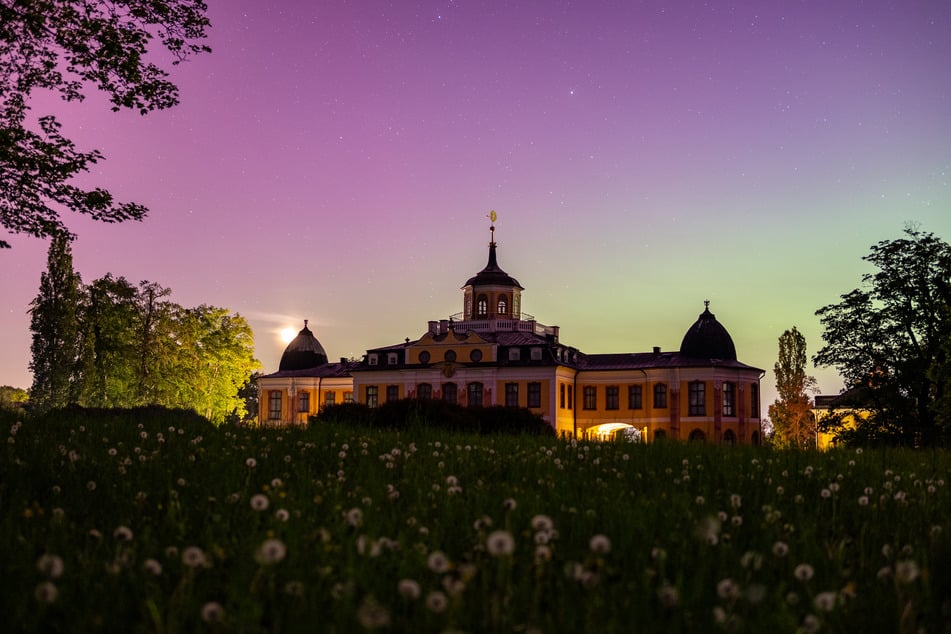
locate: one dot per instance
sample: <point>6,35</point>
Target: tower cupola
<point>708,339</point>
<point>304,351</point>
<point>492,293</point>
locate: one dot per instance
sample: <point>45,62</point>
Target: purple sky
<point>336,161</point>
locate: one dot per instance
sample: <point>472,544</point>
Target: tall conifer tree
<point>55,326</point>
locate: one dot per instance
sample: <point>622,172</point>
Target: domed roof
<point>708,339</point>
<point>492,274</point>
<point>303,352</point>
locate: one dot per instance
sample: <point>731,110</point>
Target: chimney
<point>656,349</point>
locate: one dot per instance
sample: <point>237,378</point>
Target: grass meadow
<point>161,524</point>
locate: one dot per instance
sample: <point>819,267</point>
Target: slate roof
<point>326,370</point>
<point>647,360</point>
<point>492,274</point>
<point>708,339</point>
<point>304,351</point>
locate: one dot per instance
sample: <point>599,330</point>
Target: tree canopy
<point>65,46</point>
<point>791,413</point>
<point>892,338</point>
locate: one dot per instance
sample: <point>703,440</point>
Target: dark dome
<point>492,274</point>
<point>303,352</point>
<point>708,339</point>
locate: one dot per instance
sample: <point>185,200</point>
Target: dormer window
<point>482,307</point>
<point>392,358</point>
<point>536,354</point>
<point>373,359</point>
<point>503,305</point>
<point>515,354</point>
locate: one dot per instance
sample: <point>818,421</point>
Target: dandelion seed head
<point>260,502</point>
<point>500,543</point>
<point>50,565</point>
<point>408,589</point>
<point>600,544</point>
<point>271,551</point>
<point>825,601</point>
<point>803,572</point>
<point>436,602</point>
<point>212,612</point>
<point>46,592</point>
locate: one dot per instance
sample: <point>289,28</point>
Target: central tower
<point>492,293</point>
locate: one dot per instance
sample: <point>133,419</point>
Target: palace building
<point>493,353</point>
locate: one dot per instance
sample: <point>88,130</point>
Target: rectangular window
<point>571,397</point>
<point>274,405</point>
<point>729,399</point>
<point>392,393</point>
<point>660,395</point>
<point>449,393</point>
<point>590,397</point>
<point>372,395</point>
<point>391,358</point>
<point>534,394</point>
<point>754,399</point>
<point>303,401</point>
<point>348,397</point>
<point>611,396</point>
<point>475,394</point>
<point>515,354</point>
<point>536,354</point>
<point>561,391</point>
<point>635,397</point>
<point>511,394</point>
<point>696,399</point>
<point>372,359</point>
<point>424,390</point>
<point>330,398</point>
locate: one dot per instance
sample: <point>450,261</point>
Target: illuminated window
<point>475,394</point>
<point>348,397</point>
<point>372,395</point>
<point>696,403</point>
<point>561,390</point>
<point>534,394</point>
<point>729,399</point>
<point>611,398</point>
<point>503,305</point>
<point>590,397</point>
<point>303,401</point>
<point>449,393</point>
<point>330,398</point>
<point>274,405</point>
<point>571,397</point>
<point>660,395</point>
<point>482,307</point>
<point>635,397</point>
<point>424,390</point>
<point>511,394</point>
<point>392,393</point>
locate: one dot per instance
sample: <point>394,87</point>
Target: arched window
<point>424,390</point>
<point>449,393</point>
<point>482,307</point>
<point>698,435</point>
<point>503,305</point>
<point>729,438</point>
<point>660,434</point>
<point>754,438</point>
<point>475,395</point>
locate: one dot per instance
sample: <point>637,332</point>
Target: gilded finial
<point>492,218</point>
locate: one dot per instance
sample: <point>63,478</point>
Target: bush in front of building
<point>437,414</point>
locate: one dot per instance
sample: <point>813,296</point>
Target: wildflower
<point>803,572</point>
<point>437,562</point>
<point>212,612</point>
<point>152,567</point>
<point>271,551</point>
<point>863,500</point>
<point>810,624</point>
<point>825,601</point>
<point>668,595</point>
<point>282,515</point>
<point>408,589</point>
<point>735,501</point>
<point>600,544</point>
<point>372,615</point>
<point>542,554</point>
<point>906,571</point>
<point>436,602</point>
<point>542,523</point>
<point>736,520</point>
<point>500,543</point>
<point>708,530</point>
<point>259,502</point>
<point>727,589</point>
<point>123,533</point>
<point>354,517</point>
<point>825,493</point>
<point>780,549</point>
<point>699,501</point>
<point>91,485</point>
<point>46,592</point>
<point>509,504</point>
<point>294,589</point>
<point>251,463</point>
<point>193,557</point>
